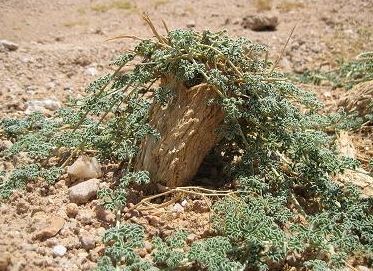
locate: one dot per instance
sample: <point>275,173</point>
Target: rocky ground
<point>51,50</point>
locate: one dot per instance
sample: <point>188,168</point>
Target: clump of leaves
<point>346,75</point>
<point>286,203</point>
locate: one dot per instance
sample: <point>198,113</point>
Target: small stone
<point>184,203</point>
<point>236,21</point>
<point>134,213</point>
<point>87,240</point>
<point>97,31</point>
<point>11,46</point>
<point>104,215</point>
<point>166,233</point>
<point>177,208</point>
<point>327,94</point>
<point>260,22</point>
<point>41,250</point>
<point>191,24</point>
<point>85,217</point>
<point>22,158</point>
<point>59,251</point>
<point>30,187</point>
<point>362,268</point>
<point>191,238</point>
<point>92,71</point>
<point>135,220</point>
<point>148,246</point>
<point>85,168</point>
<point>88,266</point>
<point>52,242</point>
<point>200,206</point>
<point>60,184</point>
<point>4,262</point>
<point>84,191</point>
<point>72,210</point>
<point>5,144</point>
<point>54,225</point>
<point>50,85</point>
<point>142,252</point>
<point>96,253</point>
<point>153,220</point>
<point>28,247</point>
<point>153,232</point>
<point>41,106</point>
<point>22,207</point>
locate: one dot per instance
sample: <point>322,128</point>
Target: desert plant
<point>347,73</point>
<point>356,77</point>
<point>265,129</point>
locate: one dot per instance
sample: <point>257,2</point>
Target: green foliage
<point>212,254</point>
<point>170,252</point>
<point>348,74</point>
<point>121,244</point>
<point>274,141</point>
<point>18,179</point>
<point>114,199</point>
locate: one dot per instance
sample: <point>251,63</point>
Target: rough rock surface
<point>87,240</point>
<point>260,22</point>
<point>72,210</point>
<point>85,168</point>
<point>11,46</point>
<point>84,191</point>
<point>4,262</point>
<point>54,225</point>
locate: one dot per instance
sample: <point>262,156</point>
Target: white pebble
<point>59,250</point>
<point>177,208</point>
<point>184,203</point>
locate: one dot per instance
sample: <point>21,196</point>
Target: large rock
<point>84,191</point>
<point>11,46</point>
<point>260,22</point>
<point>85,168</point>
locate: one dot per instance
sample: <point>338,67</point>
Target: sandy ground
<point>62,47</point>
